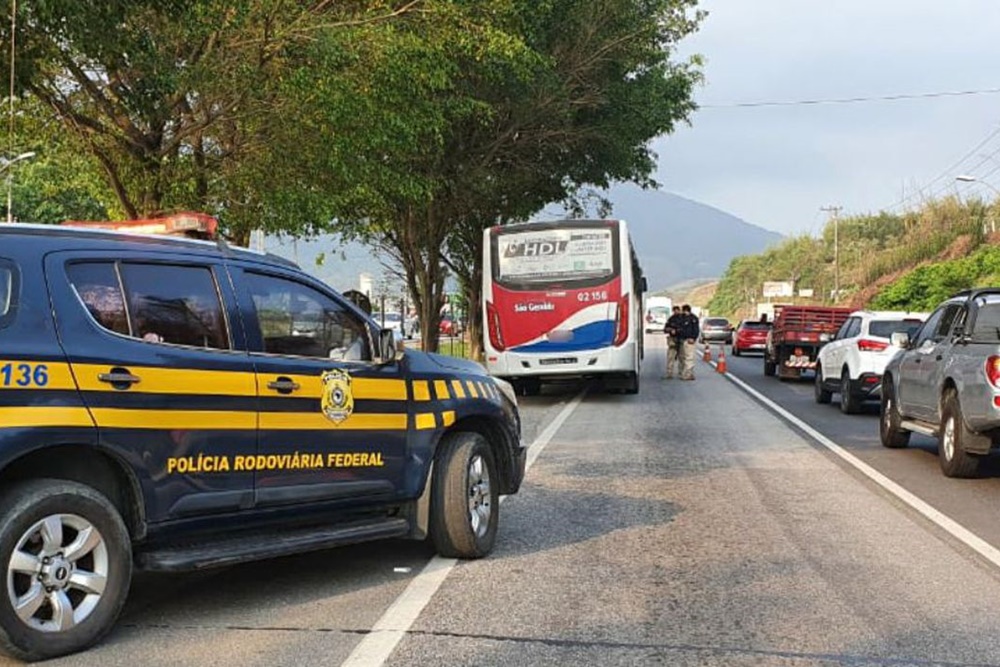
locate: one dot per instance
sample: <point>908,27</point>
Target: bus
<point>562,300</point>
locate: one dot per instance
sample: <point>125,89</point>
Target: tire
<point>889,430</point>
<point>26,509</point>
<point>632,383</point>
<point>465,502</point>
<point>850,403</point>
<point>955,461</point>
<point>770,368</point>
<point>820,392</point>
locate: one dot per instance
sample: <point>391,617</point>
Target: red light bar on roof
<point>189,224</point>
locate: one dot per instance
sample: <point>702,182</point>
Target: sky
<point>776,166</point>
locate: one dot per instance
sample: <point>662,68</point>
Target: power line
<point>930,192</point>
<point>850,100</point>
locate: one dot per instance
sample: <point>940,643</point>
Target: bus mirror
<point>645,285</point>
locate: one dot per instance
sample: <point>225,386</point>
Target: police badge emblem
<point>337,402</point>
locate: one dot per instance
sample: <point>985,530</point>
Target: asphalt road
<point>686,525</point>
<point>973,503</point>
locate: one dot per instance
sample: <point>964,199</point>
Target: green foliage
<point>870,247</point>
<point>927,286</point>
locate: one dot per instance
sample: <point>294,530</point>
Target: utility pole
<point>834,212</point>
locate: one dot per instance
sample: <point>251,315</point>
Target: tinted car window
<point>175,304</point>
<point>987,326</point>
<point>853,327</point>
<point>885,328</point>
<point>97,285</point>
<point>951,314</point>
<point>756,326</point>
<point>297,320</point>
<point>927,330</point>
<point>716,322</point>
<point>6,289</point>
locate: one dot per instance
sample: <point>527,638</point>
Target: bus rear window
<point>555,256</point>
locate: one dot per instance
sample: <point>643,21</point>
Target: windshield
<point>659,311</point>
<point>716,322</point>
<point>885,328</point>
<point>555,255</point>
<point>756,326</point>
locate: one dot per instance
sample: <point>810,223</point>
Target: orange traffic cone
<point>721,366</point>
<point>706,356</point>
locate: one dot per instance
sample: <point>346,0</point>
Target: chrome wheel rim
<point>948,438</point>
<point>480,497</point>
<point>57,573</point>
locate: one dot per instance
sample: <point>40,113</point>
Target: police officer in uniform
<point>673,342</point>
<point>687,333</point>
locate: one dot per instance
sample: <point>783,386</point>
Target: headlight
<point>507,389</point>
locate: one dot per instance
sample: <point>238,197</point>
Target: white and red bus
<point>560,300</point>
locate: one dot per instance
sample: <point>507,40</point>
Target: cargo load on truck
<point>797,336</point>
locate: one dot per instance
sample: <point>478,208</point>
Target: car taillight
<point>993,371</point>
<point>493,323</point>
<point>621,321</point>
<point>871,345</point>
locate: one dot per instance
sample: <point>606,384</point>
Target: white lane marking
<point>942,521</point>
<point>397,620</point>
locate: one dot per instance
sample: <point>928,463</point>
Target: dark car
<point>716,330</point>
<point>171,404</point>
<point>750,336</point>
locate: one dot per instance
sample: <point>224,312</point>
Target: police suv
<point>173,404</point>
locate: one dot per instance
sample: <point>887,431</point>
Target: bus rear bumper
<point>578,363</point>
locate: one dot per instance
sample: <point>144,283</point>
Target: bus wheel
<point>632,383</point>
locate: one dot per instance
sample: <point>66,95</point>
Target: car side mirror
<point>387,352</point>
<point>900,339</point>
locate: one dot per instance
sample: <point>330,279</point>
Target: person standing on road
<point>687,333</point>
<point>673,342</point>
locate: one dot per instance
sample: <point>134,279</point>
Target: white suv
<point>852,363</point>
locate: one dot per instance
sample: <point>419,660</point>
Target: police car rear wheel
<point>465,502</point>
<point>68,568</point>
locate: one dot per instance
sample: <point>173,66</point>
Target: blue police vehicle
<point>173,404</point>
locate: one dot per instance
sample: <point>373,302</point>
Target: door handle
<point>119,378</point>
<point>283,385</point>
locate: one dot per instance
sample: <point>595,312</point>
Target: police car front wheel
<point>465,503</point>
<point>68,565</point>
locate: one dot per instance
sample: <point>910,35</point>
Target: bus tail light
<point>493,323</point>
<point>621,321</point>
<point>993,371</point>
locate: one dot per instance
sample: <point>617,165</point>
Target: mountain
<point>679,239</point>
<point>676,239</point>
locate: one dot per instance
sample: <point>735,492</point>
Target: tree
<point>181,103</point>
<point>548,98</point>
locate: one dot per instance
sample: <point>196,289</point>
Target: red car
<point>750,337</point>
<point>449,326</point>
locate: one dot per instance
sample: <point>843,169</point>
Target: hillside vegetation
<point>907,261</point>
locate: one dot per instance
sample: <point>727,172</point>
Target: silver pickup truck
<point>945,382</point>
